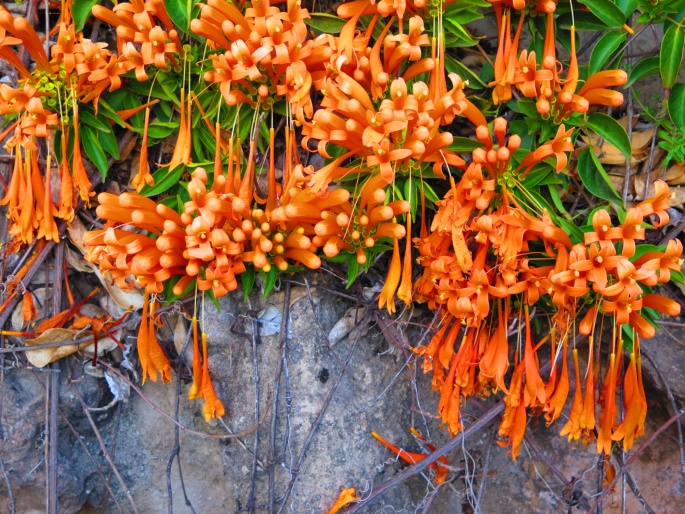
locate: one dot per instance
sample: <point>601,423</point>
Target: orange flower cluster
<point>141,40</point>
<point>517,255</point>
<point>266,53</point>
<point>79,71</point>
<point>383,104</point>
<point>556,97</point>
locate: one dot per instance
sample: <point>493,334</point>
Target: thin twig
<point>673,405</point>
<point>255,378</point>
<point>176,451</point>
<point>179,425</point>
<point>632,459</point>
<point>10,496</point>
<point>54,387</point>
<point>105,482</point>
<point>300,459</point>
<point>650,159</point>
<point>620,458</point>
<point>453,443</point>
<point>105,452</point>
<point>271,452</point>
<point>555,470</point>
<point>484,473</point>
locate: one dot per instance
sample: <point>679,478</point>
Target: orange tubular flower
<point>534,393</point>
<point>391,281</point>
<point>572,427</point>
<point>212,408</point>
<point>413,458</point>
<point>608,415</point>
<point>196,390</point>
<point>635,404</point>
<point>556,402</point>
<point>158,361</point>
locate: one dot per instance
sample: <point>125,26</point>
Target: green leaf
<point>110,113</point>
<point>671,57</point>
<point>462,144</point>
<point>80,12</point>
<point>627,6</point>
<point>89,119</point>
<point>611,130</point>
<point>461,36</point>
<point>594,178</point>
<point>452,65</point>
<point>109,144</point>
<point>164,180</point>
<point>676,105</point>
<point>604,50</point>
<point>269,280</point>
<point>93,149</point>
<point>178,12</point>
<point>584,20</point>
<point>247,279</point>
<point>325,23</point>
<point>352,270</point>
<point>607,11</point>
<point>160,129</point>
<point>646,67</point>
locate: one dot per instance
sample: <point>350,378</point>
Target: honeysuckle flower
<point>152,358</point>
<point>21,29</point>
<point>346,496</point>
<point>534,393</point>
<point>64,50</point>
<point>658,204</point>
<point>212,408</point>
<point>413,458</point>
<point>387,295</point>
<point>635,405</point>
<point>557,148</point>
<point>8,54</point>
<point>37,121</point>
<point>622,306</point>
<point>196,387</point>
<point>608,415</point>
<point>664,262</point>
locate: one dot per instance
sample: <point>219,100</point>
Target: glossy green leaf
<point>646,67</point>
<point>594,178</point>
<point>611,130</point>
<point>247,280</point>
<point>352,270</point>
<point>325,23</point>
<point>269,280</point>
<point>178,12</point>
<point>462,144</point>
<point>89,119</point>
<point>671,56</point>
<point>583,20</point>
<point>109,141</point>
<point>604,50</point>
<point>165,179</point>
<point>676,105</point>
<point>453,65</point>
<point>627,6</point>
<point>80,12</point>
<point>93,149</point>
<point>607,11</point>
<point>459,35</point>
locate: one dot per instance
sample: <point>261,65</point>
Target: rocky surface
<point>374,394</point>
